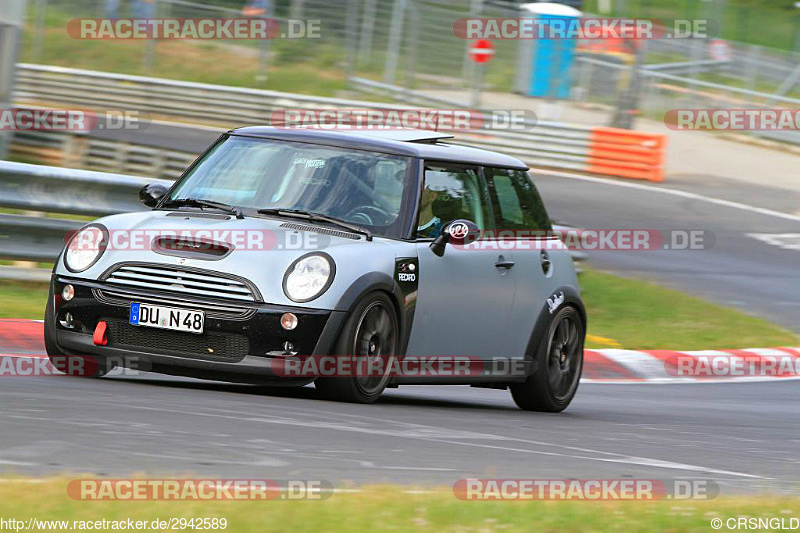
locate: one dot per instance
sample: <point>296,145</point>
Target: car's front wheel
<point>559,363</point>
<point>369,340</point>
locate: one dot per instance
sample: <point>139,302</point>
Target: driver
<point>429,224</point>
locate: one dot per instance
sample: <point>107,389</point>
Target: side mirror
<point>458,232</point>
<point>151,193</point>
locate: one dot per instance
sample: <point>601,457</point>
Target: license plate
<point>156,316</point>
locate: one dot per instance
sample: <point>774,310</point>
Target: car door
<point>466,296</point>
<point>520,215</point>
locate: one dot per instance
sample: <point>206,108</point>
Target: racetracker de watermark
<point>199,489</point>
<point>79,120</point>
<point>406,366</point>
<point>584,28</point>
<point>221,242</point>
<point>193,28</point>
<point>733,119</point>
<point>585,489</point>
<point>72,365</point>
<point>209,241</point>
<point>740,365</point>
<point>404,118</point>
<point>598,239</point>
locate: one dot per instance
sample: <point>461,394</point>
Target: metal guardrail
<point>28,238</point>
<point>684,67</point>
<point>66,190</point>
<point>545,144</point>
<point>201,102</point>
<point>45,189</point>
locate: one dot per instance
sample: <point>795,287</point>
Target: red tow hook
<point>100,334</point>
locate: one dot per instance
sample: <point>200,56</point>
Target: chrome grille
<point>182,280</point>
<point>231,311</point>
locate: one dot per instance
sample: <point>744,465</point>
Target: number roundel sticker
<point>458,230</point>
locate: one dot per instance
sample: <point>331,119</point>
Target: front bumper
<point>239,345</point>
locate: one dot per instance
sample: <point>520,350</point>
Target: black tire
<point>85,366</point>
<point>559,363</point>
<point>371,330</point>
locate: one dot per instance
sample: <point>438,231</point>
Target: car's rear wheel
<point>369,339</point>
<point>559,363</point>
<point>73,365</point>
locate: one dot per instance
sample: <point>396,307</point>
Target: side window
<point>517,204</point>
<point>451,192</point>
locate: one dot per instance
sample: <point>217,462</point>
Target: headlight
<point>85,247</point>
<point>308,277</point>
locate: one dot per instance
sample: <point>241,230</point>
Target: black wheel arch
<point>571,298</point>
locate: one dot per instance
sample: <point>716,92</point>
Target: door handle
<point>544,259</point>
<point>502,263</point>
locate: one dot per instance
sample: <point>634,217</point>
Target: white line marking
<point>16,463</point>
<point>642,461</point>
<point>787,241</point>
<point>421,468</point>
<point>420,432</point>
<point>688,381</point>
<point>673,192</point>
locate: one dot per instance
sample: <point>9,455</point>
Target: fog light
<point>288,321</point>
<point>68,321</point>
<point>68,293</point>
<point>288,346</point>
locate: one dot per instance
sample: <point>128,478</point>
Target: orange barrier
<point>627,154</point>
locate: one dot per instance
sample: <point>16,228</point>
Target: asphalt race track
<point>744,436</point>
<point>739,270</point>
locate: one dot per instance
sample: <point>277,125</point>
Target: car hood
<point>261,249</point>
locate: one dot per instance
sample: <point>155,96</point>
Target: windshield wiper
<point>316,217</point>
<point>198,202</point>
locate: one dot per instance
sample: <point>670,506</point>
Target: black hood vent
<point>323,231</point>
<point>191,248</point>
<point>193,214</point>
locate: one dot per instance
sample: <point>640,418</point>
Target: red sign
<point>719,50</point>
<point>481,51</point>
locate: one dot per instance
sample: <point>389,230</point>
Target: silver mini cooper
<point>354,260</point>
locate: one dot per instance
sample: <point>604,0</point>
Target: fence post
<point>753,60</point>
<point>393,48</point>
<point>11,21</point>
<point>628,103</point>
<point>296,11</point>
<point>413,50</point>
<point>38,43</point>
<point>367,30</point>
<point>350,39</point>
<point>148,59</point>
<point>584,88</point>
<point>264,46</point>
<point>467,66</point>
<point>524,58</point>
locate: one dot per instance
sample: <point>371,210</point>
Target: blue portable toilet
<point>551,59</point>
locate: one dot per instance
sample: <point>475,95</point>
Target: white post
<point>393,50</point>
<point>11,20</point>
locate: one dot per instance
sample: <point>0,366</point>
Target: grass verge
<point>639,315</point>
<point>22,300</point>
<point>623,313</point>
<point>294,65</point>
<point>394,509</point>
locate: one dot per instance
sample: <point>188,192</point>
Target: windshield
<point>365,188</point>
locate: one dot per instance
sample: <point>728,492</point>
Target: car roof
<point>414,143</point>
